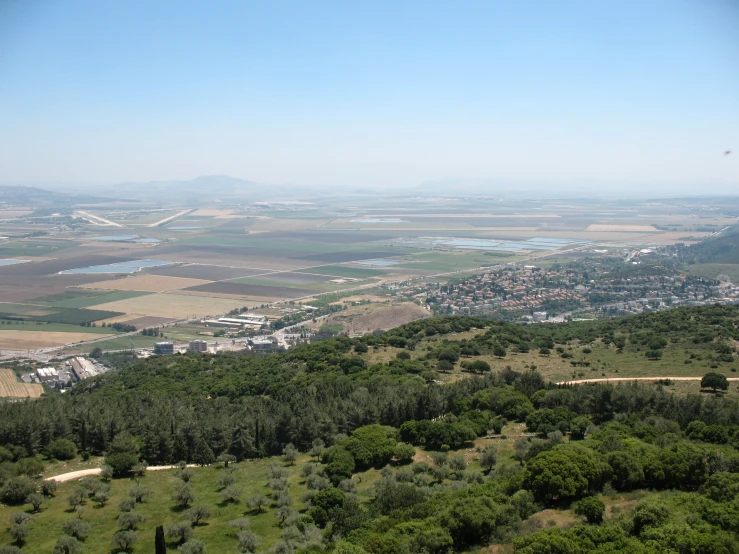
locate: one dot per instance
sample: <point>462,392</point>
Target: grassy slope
<point>251,477</point>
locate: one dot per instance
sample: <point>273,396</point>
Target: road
<point>172,217</point>
<point>617,379</point>
<point>96,471</point>
<point>95,220</point>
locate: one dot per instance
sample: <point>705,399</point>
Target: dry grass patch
<point>366,318</point>
<point>10,387</point>
<point>25,340</point>
<point>176,306</point>
<point>622,228</point>
<point>147,283</point>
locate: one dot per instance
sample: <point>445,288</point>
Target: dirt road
<point>96,471</point>
<point>617,379</point>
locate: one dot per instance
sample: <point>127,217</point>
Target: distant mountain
<point>206,186</point>
<point>36,197</point>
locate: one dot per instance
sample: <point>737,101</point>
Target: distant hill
<point>36,197</point>
<point>203,187</point>
<point>722,249</point>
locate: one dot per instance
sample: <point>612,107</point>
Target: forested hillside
<point>358,412</point>
<point>723,249</point>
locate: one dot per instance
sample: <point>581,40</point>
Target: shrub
<point>62,449</point>
<point>180,531</point>
<point>16,490</point>
<point>591,508</point>
<point>76,528</point>
<point>67,545</point>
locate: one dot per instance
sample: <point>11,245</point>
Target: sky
<point>617,95</point>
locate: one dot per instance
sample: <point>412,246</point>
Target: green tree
<point>123,541</point>
<point>76,528</point>
<point>130,521</point>
<point>713,380</point>
<point>499,351</point>
<point>35,499</point>
<point>248,542</point>
<point>180,531</point>
<point>489,457</point>
<point>198,513</point>
<point>67,545</point>
<point>160,544</point>
<point>62,449</point>
<point>256,501</point>
<point>591,508</point>
<point>404,452</point>
<point>183,495</point>
<point>290,454</point>
<point>16,489</point>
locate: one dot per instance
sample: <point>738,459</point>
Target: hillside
<point>722,249</point>
<point>422,440</point>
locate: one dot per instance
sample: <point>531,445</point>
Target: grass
<point>218,536</point>
<point>32,248</point>
<point>86,301</point>
<point>449,261</point>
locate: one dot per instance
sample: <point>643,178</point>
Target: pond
<point>131,266</point>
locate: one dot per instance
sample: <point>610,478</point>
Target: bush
<point>16,490</point>
<point>591,508</point>
<point>122,463</point>
<point>76,528</point>
<point>196,514</point>
<point>180,531</point>
<point>404,452</point>
<point>67,545</point>
<point>62,449</point>
<point>123,541</point>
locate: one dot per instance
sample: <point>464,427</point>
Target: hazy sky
<point>372,93</point>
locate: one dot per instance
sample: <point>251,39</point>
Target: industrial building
<point>164,348</point>
<point>198,346</point>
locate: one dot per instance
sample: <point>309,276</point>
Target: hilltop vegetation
<point>399,461</point>
<point>722,249</point>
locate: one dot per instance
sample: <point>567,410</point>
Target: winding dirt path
<point>618,379</point>
<point>96,471</point>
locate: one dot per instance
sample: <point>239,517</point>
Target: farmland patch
<point>345,271</point>
<point>10,387</point>
<point>202,271</point>
<point>25,340</point>
<point>147,283</point>
<point>173,305</point>
<point>241,289</point>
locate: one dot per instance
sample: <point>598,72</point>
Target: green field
<point>444,262</point>
<point>32,248</point>
<point>51,327</point>
<point>344,271</point>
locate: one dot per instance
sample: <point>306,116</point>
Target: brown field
<point>10,387</point>
<point>623,228</point>
<point>24,340</point>
<point>177,306</point>
<point>367,318</point>
<point>259,291</point>
<point>147,283</point>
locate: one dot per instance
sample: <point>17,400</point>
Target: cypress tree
<point>160,547</point>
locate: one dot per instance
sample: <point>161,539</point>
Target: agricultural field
<point>12,387</point>
<point>228,254</point>
<point>178,306</point>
